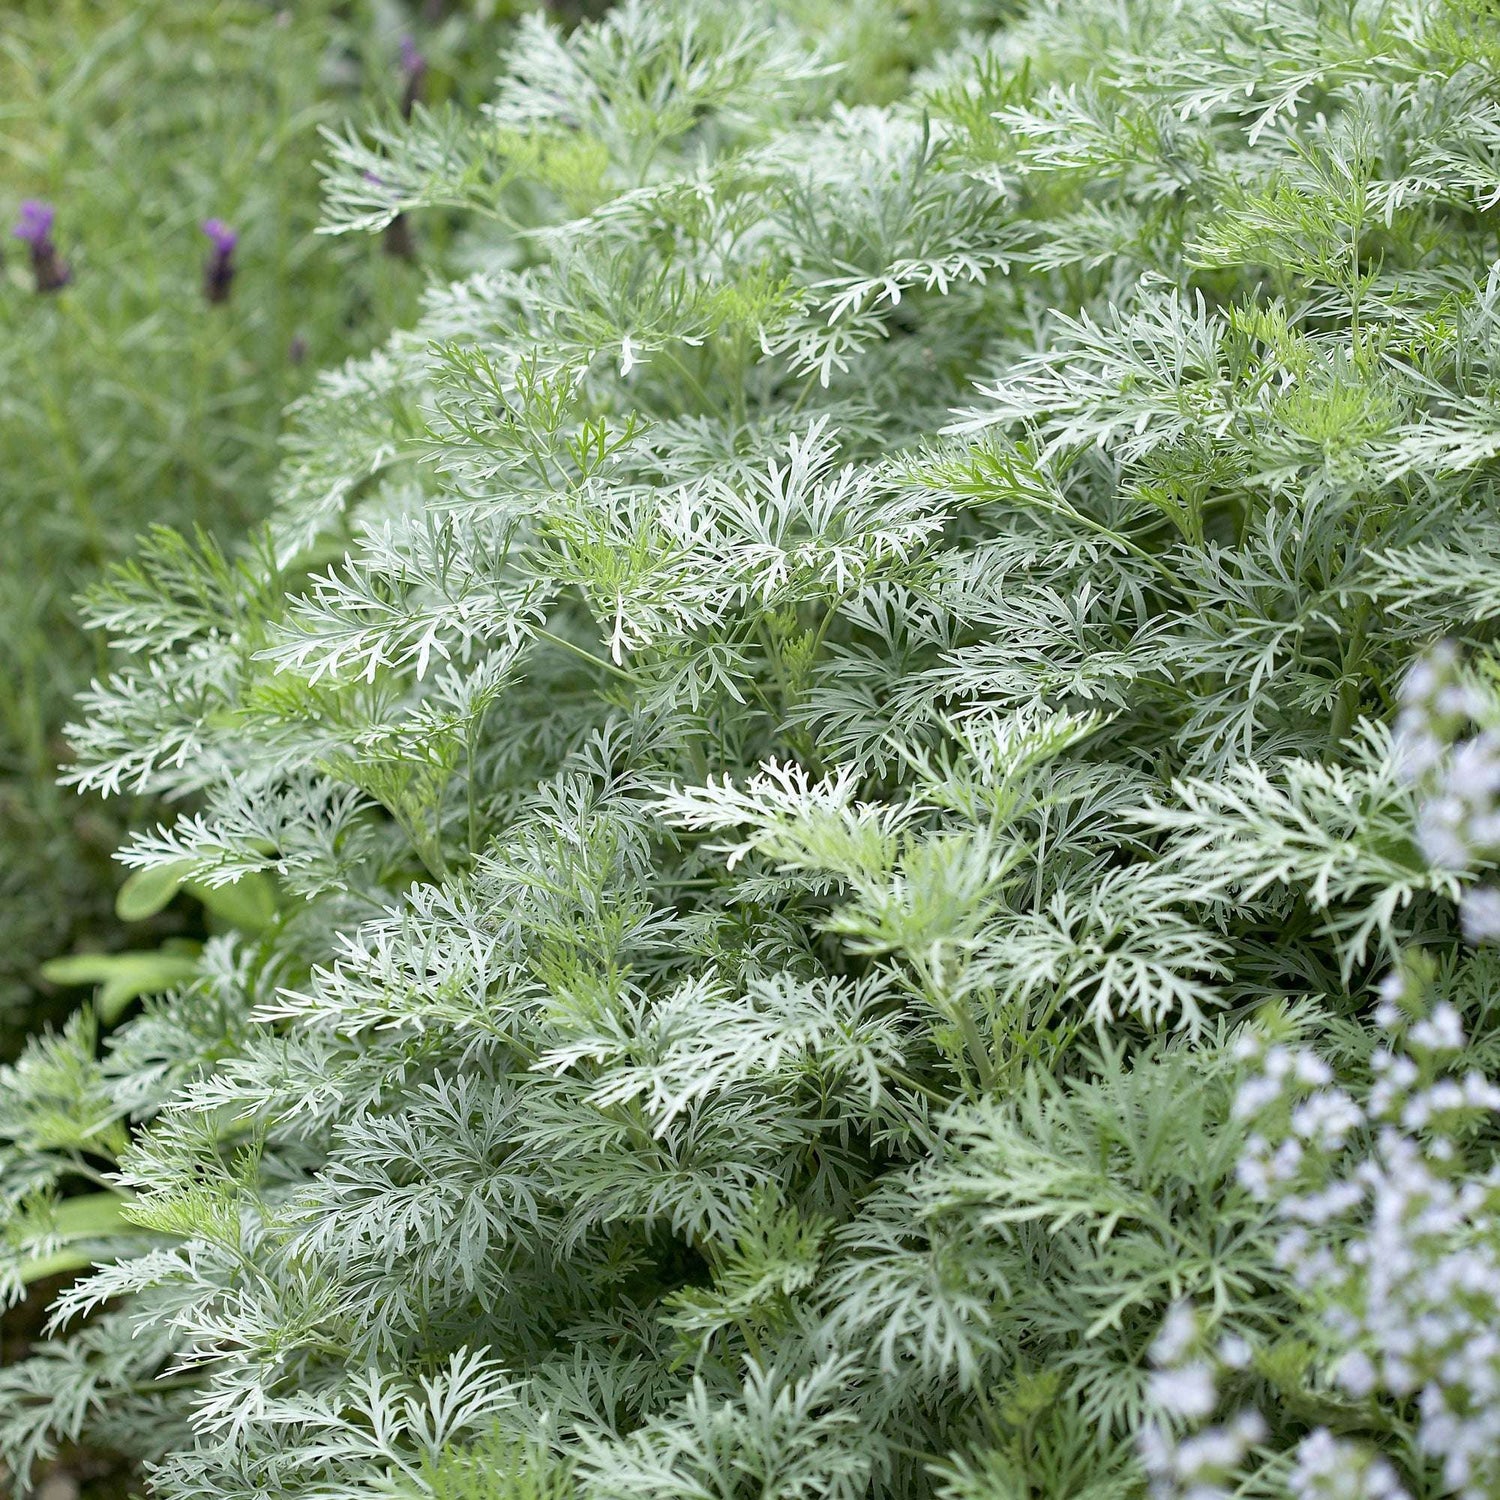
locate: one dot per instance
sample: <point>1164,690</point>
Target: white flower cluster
<point>1330,1468</point>
<point>1203,1464</point>
<point>1391,1236</point>
<point>1458,770</point>
<point>1184,1380</point>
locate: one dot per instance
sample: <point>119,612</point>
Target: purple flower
<point>223,237</point>
<point>35,222</point>
<point>218,272</point>
<point>34,227</point>
<point>414,70</point>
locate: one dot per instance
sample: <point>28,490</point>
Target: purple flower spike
<point>34,227</point>
<point>414,67</point>
<point>35,222</point>
<point>218,273</point>
<point>223,237</point>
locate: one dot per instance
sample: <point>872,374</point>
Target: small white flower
<point>1235,1352</point>
<point>1443,1030</point>
<point>1474,771</point>
<point>1178,1332</point>
<point>1187,1391</point>
<point>1440,834</point>
<point>1480,912</point>
<point>1254,1096</point>
<point>1310,1069</point>
<point>1327,1119</point>
<point>1356,1373</point>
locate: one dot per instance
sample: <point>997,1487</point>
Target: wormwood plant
<point>816,723</point>
<point>126,398</point>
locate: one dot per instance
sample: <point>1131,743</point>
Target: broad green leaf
<point>147,891</point>
<point>248,903</point>
<point>123,977</point>
<point>92,1216</point>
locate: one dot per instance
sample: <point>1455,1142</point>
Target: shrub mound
<point>827,895</point>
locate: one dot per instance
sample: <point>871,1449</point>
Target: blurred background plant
<point>129,397</point>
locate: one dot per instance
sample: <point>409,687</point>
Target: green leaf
<point>92,1216</point>
<point>124,977</point>
<point>147,891</point>
<point>248,903</point>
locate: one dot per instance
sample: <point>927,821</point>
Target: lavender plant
<point>127,399</point>
<point>823,728</point>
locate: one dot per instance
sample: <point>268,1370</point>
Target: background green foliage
<point>126,401</point>
<point>782,752</point>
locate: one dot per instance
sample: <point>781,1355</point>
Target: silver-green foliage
<point>794,716</point>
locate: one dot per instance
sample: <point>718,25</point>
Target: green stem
<point>974,1044</point>
<point>588,656</point>
<point>1350,679</point>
